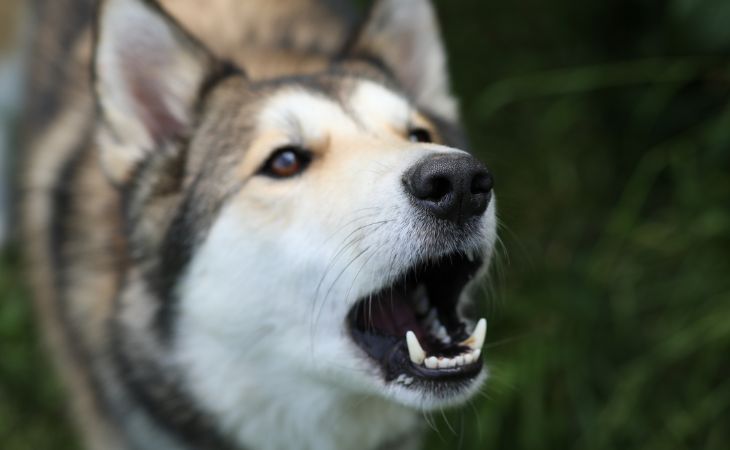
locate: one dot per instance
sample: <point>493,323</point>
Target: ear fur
<point>405,36</point>
<point>148,76</point>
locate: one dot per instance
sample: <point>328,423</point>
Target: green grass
<point>607,126</point>
<point>608,129</point>
<point>32,411</point>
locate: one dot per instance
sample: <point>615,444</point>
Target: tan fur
<point>254,39</point>
<point>99,279</point>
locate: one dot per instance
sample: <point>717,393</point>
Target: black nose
<point>451,187</point>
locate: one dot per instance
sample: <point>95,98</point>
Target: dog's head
<point>323,227</point>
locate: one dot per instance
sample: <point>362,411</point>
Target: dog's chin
<point>437,396</point>
<point>427,354</point>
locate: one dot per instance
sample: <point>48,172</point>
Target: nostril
<point>482,183</point>
<point>439,188</point>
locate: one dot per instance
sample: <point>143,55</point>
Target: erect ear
<point>148,76</point>
<point>405,36</point>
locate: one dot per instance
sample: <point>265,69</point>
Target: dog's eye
<point>419,135</point>
<point>286,162</point>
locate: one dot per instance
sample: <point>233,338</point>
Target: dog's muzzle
<point>413,327</point>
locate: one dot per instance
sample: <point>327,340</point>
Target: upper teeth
<point>474,343</point>
<point>476,340</point>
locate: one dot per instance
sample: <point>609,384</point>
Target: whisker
<point>448,424</point>
<point>324,300</point>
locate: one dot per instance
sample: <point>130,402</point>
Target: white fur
<point>299,117</point>
<point>263,341</point>
<point>378,108</point>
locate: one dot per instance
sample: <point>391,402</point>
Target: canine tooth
<point>415,351</point>
<point>468,358</point>
<point>476,340</point>
<point>459,360</point>
<point>431,362</point>
<point>477,353</point>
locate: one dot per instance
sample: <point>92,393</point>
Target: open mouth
<point>413,328</point>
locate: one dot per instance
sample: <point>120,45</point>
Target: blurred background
<point>607,126</point>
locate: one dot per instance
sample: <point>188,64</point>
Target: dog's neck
<point>285,413</point>
<point>264,406</point>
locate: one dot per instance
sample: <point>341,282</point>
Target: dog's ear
<point>405,37</point>
<point>148,76</point>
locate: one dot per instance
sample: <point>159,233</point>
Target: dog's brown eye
<point>419,135</point>
<point>286,162</point>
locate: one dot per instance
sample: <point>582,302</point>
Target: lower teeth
<point>440,362</point>
<point>474,343</point>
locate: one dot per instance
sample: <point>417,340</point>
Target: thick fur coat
<point>215,195</point>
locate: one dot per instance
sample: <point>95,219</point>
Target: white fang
<point>415,351</point>
<point>476,340</point>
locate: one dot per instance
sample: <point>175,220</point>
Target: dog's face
<point>341,223</point>
<point>323,227</point>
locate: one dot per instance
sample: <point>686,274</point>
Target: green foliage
<point>32,410</point>
<point>608,130</point>
<point>607,126</point>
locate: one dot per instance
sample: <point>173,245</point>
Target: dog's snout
<point>450,187</point>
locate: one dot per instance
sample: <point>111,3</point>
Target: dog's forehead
<point>356,105</point>
<point>246,123</point>
<point>373,102</point>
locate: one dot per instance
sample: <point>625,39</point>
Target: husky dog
<point>252,224</point>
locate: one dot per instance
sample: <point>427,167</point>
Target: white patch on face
<point>262,334</point>
<point>248,347</point>
<point>379,108</point>
<point>305,115</point>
